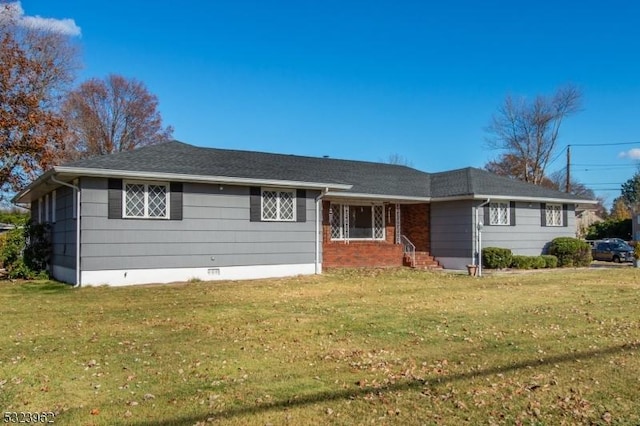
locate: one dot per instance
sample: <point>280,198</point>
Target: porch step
<point>423,260</point>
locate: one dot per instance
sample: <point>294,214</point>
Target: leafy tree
<point>37,66</point>
<point>25,251</point>
<point>630,190</point>
<point>112,115</point>
<point>620,210</point>
<point>527,132</point>
<point>14,216</point>
<point>611,228</point>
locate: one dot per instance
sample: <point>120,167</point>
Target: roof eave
<point>513,198</point>
<point>42,178</point>
<point>385,197</point>
<point>180,177</point>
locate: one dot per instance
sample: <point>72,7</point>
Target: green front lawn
<point>348,347</point>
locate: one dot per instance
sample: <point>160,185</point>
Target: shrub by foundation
<point>571,251</point>
<point>496,258</point>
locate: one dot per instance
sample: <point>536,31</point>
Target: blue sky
<point>366,79</point>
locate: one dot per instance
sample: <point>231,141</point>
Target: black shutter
<point>301,205</point>
<point>115,199</point>
<point>35,207</point>
<point>255,204</point>
<point>512,212</point>
<point>565,215</point>
<point>543,214</point>
<point>487,210</point>
<point>175,199</point>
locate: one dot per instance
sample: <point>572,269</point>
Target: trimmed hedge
<point>571,251</point>
<point>528,262</point>
<point>521,262</point>
<point>496,257</point>
<point>550,261</point>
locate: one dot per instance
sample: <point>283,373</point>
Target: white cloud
<point>13,11</point>
<point>633,153</point>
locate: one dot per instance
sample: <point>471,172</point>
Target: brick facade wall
<point>414,224</point>
<point>357,254</point>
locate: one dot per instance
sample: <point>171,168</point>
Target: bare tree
<point>399,160</point>
<point>112,115</point>
<point>37,66</point>
<point>528,131</point>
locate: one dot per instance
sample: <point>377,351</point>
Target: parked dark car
<point>612,251</point>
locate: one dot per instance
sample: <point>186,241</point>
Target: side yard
<point>349,347</point>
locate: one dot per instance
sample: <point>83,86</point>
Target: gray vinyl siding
<point>527,237</point>
<point>215,231</point>
<point>63,230</point>
<point>452,229</point>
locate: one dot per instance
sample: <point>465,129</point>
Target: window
<point>146,200</point>
<point>499,213</point>
<point>357,222</point>
<point>553,214</point>
<point>278,205</point>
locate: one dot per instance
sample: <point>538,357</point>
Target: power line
<point>604,144</point>
<point>603,183</point>
<point>603,165</point>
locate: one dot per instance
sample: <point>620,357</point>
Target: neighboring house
<point>586,215</point>
<point>173,212</point>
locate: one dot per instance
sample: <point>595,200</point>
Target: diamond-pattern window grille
<point>499,214</point>
<point>157,200</point>
<point>134,200</point>
<point>340,222</point>
<point>269,205</point>
<point>286,205</point>
<point>378,222</point>
<point>554,215</point>
<point>145,200</point>
<point>278,205</point>
<point>335,217</point>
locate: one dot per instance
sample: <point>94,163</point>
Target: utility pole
<point>568,187</point>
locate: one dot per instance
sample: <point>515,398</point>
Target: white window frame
<point>342,223</point>
<point>280,217</point>
<point>146,185</point>
<point>553,215</point>
<point>502,206</point>
<point>74,200</point>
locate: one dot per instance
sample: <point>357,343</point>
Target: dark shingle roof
<point>365,177</point>
<point>179,158</point>
<point>472,181</point>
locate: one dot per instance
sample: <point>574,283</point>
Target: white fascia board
<point>360,196</point>
<point>512,198</point>
<point>227,180</point>
<point>41,179</point>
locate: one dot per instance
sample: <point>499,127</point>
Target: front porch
<point>360,234</point>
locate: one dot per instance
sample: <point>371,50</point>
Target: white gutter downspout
<point>479,238</point>
<point>318,269</point>
<point>77,190</point>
